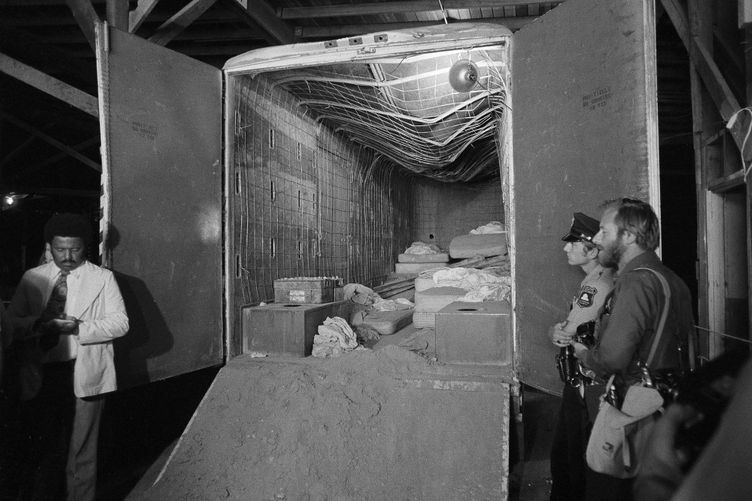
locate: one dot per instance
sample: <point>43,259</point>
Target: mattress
<point>441,257</point>
<point>414,268</point>
<point>386,322</point>
<point>489,244</point>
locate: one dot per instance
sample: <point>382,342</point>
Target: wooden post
<point>710,290</point>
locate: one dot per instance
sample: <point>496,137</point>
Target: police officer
<point>568,468</point>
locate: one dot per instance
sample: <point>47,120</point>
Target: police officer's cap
<point>583,228</point>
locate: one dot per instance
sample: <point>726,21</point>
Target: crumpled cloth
<point>480,284</point>
<point>398,304</point>
<point>334,338</point>
<point>422,248</point>
<point>360,294</point>
<point>492,227</point>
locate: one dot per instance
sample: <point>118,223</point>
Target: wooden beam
<point>54,158</point>
<point>711,76</point>
<point>66,192</point>
<point>86,17</point>
<point>50,140</point>
<point>49,85</point>
<point>260,13</point>
<point>344,30</point>
<point>117,14</point>
<point>180,21</point>
<point>365,9</point>
<point>140,13</point>
<point>16,151</point>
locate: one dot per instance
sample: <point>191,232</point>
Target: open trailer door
<point>161,123</point>
<point>585,130</point>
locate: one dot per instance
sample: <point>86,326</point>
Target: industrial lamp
<point>463,75</point>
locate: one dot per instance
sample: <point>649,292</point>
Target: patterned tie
<point>55,309</point>
<point>56,303</point>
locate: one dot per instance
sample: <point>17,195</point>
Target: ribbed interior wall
<point>306,201</point>
<point>443,211</point>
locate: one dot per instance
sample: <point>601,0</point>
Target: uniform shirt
<point>67,346</point>
<point>628,321</point>
<point>591,296</point>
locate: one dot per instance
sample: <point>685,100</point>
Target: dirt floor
<point>142,425</point>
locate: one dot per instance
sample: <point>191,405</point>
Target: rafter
<point>180,21</point>
<point>264,16</point>
<point>344,30</point>
<point>49,85</point>
<point>50,140</point>
<point>59,156</point>
<point>365,9</point>
<point>140,13</point>
<point>86,17</point>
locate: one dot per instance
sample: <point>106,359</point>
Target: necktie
<point>56,303</point>
<point>55,309</point>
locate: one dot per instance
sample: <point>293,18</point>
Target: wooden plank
<point>260,13</point>
<point>180,21</point>
<point>117,14</point>
<point>709,272</point>
<point>726,183</point>
<point>54,158</point>
<point>86,17</point>
<point>748,80</point>
<point>50,140</point>
<point>140,13</point>
<point>52,86</point>
<point>344,30</point>
<point>365,9</point>
<point>717,87</point>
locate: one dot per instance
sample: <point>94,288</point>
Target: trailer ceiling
<point>50,146</point>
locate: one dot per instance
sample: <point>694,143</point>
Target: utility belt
<point>571,371</point>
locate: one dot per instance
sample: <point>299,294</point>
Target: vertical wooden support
<point>710,283</point>
<point>117,14</point>
<point>748,81</point>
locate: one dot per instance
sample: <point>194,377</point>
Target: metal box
<point>476,333</point>
<point>286,328</point>
<point>305,290</point>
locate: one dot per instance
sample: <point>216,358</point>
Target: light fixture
<point>463,75</point>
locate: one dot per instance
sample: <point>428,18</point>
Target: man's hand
<point>559,336</point>
<point>67,325</point>
<point>580,350</point>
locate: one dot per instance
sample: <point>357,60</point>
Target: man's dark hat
<point>583,228</point>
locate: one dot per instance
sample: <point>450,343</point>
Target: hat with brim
<point>583,228</point>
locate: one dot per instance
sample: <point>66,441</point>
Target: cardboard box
<point>474,333</point>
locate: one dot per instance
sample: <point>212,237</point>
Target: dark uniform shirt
<point>629,319</point>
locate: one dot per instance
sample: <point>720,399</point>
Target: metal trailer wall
<point>306,201</point>
<point>443,211</point>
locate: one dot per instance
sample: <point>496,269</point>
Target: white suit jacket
<point>98,305</point>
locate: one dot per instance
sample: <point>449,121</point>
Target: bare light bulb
<point>463,75</point>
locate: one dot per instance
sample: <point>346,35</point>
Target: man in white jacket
<point>65,314</point>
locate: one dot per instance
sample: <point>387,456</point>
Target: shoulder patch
<point>586,296</point>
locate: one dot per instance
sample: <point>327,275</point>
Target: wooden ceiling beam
<point>260,13</point>
<point>86,17</point>
<point>50,140</point>
<point>59,156</point>
<point>711,75</point>
<point>180,21</point>
<point>138,15</point>
<point>117,14</point>
<point>366,9</point>
<point>345,30</point>
<point>52,86</point>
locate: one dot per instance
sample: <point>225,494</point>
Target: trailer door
<point>585,130</point>
<point>160,119</point>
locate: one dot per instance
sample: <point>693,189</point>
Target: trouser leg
<point>81,471</point>
<point>568,448</point>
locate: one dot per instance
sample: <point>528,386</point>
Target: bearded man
<point>628,236</point>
